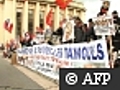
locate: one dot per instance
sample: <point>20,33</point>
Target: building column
<point>46,12</point>
<point>82,15</point>
<point>10,13</point>
<point>57,18</point>
<point>66,13</point>
<point>1,24</point>
<point>74,12</point>
<point>36,16</point>
<point>25,17</point>
<point>14,19</point>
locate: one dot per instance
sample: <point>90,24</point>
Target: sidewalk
<point>44,82</point>
<point>13,79</point>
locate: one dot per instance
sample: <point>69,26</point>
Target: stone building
<point>26,15</point>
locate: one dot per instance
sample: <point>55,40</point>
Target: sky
<point>93,7</point>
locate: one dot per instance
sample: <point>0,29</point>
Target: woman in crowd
<point>26,40</point>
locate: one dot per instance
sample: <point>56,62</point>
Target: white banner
<point>48,59</point>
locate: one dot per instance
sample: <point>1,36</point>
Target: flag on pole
<point>63,3</point>
<point>8,25</point>
<point>10,28</point>
<point>49,18</point>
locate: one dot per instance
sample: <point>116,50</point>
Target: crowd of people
<point>82,32</point>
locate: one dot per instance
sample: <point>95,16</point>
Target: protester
<point>85,29</point>
<point>116,38</point>
<point>26,40</point>
<point>53,39</point>
<point>78,31</point>
<point>60,33</point>
<point>47,34</point>
<point>104,8</point>
<point>39,38</point>
<point>91,31</point>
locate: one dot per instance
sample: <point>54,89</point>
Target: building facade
<point>26,15</point>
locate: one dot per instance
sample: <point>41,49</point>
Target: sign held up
<point>104,25</point>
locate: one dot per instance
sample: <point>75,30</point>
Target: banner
<point>104,25</point>
<point>48,59</point>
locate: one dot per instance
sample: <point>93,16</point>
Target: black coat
<point>79,34</point>
<point>26,43</point>
<point>91,33</point>
<point>116,38</point>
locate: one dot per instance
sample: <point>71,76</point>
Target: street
<point>12,79</point>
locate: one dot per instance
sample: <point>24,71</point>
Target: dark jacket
<point>60,33</point>
<point>91,33</point>
<point>26,43</point>
<point>116,38</point>
<point>79,35</point>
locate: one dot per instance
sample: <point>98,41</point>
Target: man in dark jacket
<point>91,32</point>
<point>116,38</point>
<point>78,32</point>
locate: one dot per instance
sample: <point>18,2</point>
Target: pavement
<point>16,77</point>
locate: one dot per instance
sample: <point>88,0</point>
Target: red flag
<point>49,18</point>
<point>63,3</point>
<point>8,26</point>
<point>6,23</point>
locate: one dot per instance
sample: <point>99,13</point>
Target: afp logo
<point>96,78</point>
<point>86,79</point>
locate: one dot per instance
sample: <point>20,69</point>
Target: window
<point>30,20</point>
<point>18,22</point>
<point>41,19</point>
